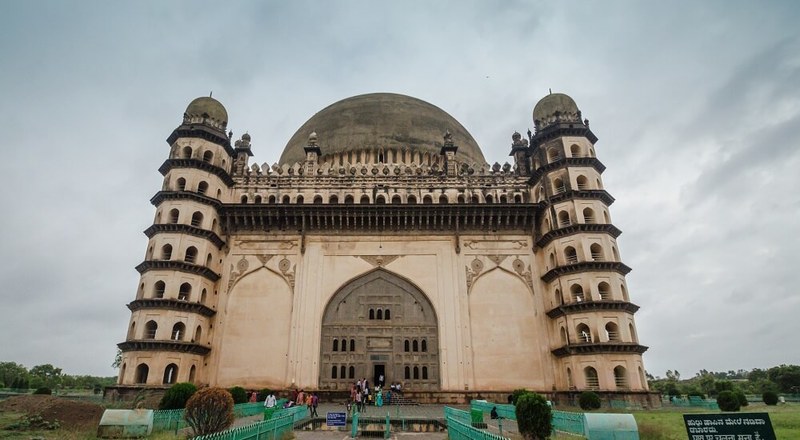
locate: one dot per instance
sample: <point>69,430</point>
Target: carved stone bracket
<point>475,269</point>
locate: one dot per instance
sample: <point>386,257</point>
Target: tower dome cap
<point>209,107</point>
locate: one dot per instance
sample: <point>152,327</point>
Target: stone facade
<point>388,248</point>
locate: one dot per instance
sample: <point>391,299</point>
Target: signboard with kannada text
<point>729,426</point>
<point>336,419</point>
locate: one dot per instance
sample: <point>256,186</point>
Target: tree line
<point>16,376</point>
<point>780,379</point>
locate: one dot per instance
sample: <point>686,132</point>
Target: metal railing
<point>504,410</point>
<point>458,430</point>
<point>272,429</point>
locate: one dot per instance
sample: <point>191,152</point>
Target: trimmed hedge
<point>589,400</point>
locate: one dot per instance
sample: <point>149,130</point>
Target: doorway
<point>379,371</point>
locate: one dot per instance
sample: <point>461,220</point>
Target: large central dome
<point>382,121</point>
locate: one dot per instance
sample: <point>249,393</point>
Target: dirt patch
<point>69,413</point>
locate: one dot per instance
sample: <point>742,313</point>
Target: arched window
<point>443,199</point>
<point>552,155</point>
<point>540,194</point>
<point>379,315</point>
<point>198,333</point>
<point>575,150</point>
<point>208,260</point>
<point>570,384</point>
<point>557,300</point>
<point>583,333</point>
<point>407,346</point>
<point>624,292</point>
<point>178,331</point>
<point>597,252</point>
<point>132,330</point>
<point>415,345</point>
<point>563,219</point>
<point>387,314</point>
<point>632,332</point>
<point>621,377</point>
<point>257,200</point>
<point>424,373</point>
<point>334,372</point>
<point>380,199</point>
<point>605,217</point>
<point>590,374</point>
<point>588,215</point>
<point>612,332</point>
<point>489,198</point>
<point>352,345</point>
<point>142,370</point>
<point>424,345</point>
<point>124,367</point>
<point>191,255</point>
<point>503,198</point>
<point>150,330</point>
<point>335,345</point>
<point>396,200</point>
<point>181,184</point>
<point>192,372</point>
<point>203,295</point>
<point>427,199</point>
<point>317,199</point>
<point>517,198</point>
<point>342,372</point>
<point>558,186</point>
<point>604,290</point>
<point>197,219</point>
<point>352,372</point>
<point>334,199</point>
<point>615,253</point>
<point>460,199</point>
<point>202,187</point>
<point>416,372</point>
<point>577,293</point>
<point>642,379</point>
<point>300,200</point>
<point>475,199</point>
<point>597,183</point>
<point>271,200</point>
<point>158,289</point>
<point>184,292</point>
<point>564,336</point>
<point>411,200</point>
<point>407,374</point>
<point>187,152</point>
<point>219,193</point>
<point>348,200</point>
<point>166,252</point>
<point>552,260</point>
<point>364,200</point>
<point>570,255</point>
<point>208,156</point>
<point>173,216</point>
<point>371,313</point>
<point>583,183</point>
<point>244,198</point>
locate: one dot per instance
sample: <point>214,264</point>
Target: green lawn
<point>667,423</point>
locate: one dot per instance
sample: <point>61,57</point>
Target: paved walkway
<point>429,412</point>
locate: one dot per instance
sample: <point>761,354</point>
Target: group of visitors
<point>362,395</point>
<point>311,400</point>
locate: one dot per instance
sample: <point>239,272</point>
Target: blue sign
<point>336,419</point>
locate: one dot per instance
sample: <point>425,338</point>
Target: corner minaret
<point>170,330</point>
<point>592,318</point>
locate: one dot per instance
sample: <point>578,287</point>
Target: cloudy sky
<point>696,104</point>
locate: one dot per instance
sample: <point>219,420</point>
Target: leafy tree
<point>723,385</point>
<point>694,391</point>
<point>13,374</point>
<point>533,416</point>
<point>589,400</point>
<point>46,375</point>
<point>787,377</point>
<point>770,398</point>
<point>516,395</point>
<point>117,359</point>
<point>177,396</point>
<point>727,401</point>
<point>209,410</point>
<point>673,375</point>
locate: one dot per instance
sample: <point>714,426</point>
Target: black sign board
<point>336,419</point>
<point>729,426</point>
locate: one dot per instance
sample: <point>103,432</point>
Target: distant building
<point>382,243</point>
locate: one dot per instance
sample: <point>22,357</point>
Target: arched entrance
<point>378,324</point>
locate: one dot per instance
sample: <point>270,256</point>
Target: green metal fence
<point>457,414</point>
<point>168,420</point>
<point>504,410</point>
<point>568,422</point>
<point>297,413</point>
<point>272,429</point>
<point>458,430</point>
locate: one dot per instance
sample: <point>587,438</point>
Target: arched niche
<point>379,342</point>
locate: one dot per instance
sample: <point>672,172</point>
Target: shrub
<point>770,398</point>
<point>262,395</point>
<point>177,396</point>
<point>209,410</point>
<point>516,395</point>
<point>43,390</point>
<point>239,395</point>
<point>727,401</point>
<point>589,400</point>
<point>739,394</point>
<point>534,416</point>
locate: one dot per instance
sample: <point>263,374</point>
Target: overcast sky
<point>696,104</point>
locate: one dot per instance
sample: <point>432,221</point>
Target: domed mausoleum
<point>381,244</point>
